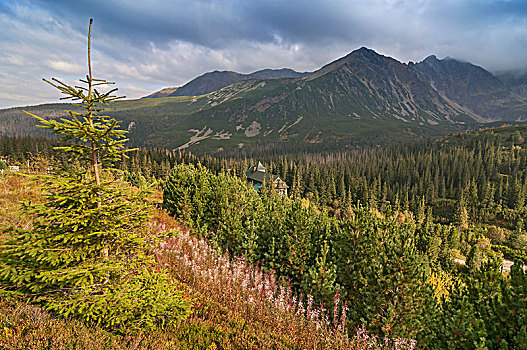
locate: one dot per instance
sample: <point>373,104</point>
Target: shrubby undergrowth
<point>236,305</point>
<point>396,283</point>
<point>365,257</point>
<point>87,253</point>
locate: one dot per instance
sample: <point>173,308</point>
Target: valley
<point>407,192</point>
<point>297,175</point>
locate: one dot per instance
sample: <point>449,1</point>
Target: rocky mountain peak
<point>364,51</point>
<point>472,87</point>
<point>430,59</point>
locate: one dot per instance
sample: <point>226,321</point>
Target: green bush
<point>486,311</point>
<point>223,208</point>
<point>383,275</point>
<point>87,253</point>
<point>373,261</point>
<point>258,225</point>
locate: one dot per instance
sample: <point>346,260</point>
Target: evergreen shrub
<point>88,253</point>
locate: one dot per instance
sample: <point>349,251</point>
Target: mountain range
<point>362,98</point>
<point>515,80</point>
<point>216,80</point>
<point>473,88</point>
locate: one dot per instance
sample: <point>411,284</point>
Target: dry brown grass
<point>15,190</point>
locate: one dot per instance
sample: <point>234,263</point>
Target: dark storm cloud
<point>155,43</point>
<point>214,24</point>
<point>393,26</point>
<point>217,23</point>
<point>208,23</point>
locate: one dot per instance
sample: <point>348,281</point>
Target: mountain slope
<point>473,88</point>
<point>162,93</point>
<point>386,88</point>
<point>362,98</point>
<point>216,80</point>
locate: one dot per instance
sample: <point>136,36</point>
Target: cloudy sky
<point>147,45</point>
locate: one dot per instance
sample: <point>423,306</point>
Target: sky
<point>146,45</point>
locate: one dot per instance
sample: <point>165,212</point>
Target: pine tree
<point>320,281</point>
<point>87,253</point>
<point>3,166</point>
<point>462,214</point>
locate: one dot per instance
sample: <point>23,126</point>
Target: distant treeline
<point>19,149</point>
<point>469,179</point>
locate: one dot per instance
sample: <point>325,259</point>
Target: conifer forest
<point>400,245</point>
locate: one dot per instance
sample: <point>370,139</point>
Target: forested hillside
<point>397,273</point>
<point>476,180</point>
<point>404,225</point>
<point>415,210</point>
<point>473,179</point>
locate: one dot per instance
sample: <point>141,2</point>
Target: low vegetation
<point>396,274</point>
<point>363,255</point>
<point>236,305</point>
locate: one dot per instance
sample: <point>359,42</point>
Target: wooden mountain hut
<point>257,176</point>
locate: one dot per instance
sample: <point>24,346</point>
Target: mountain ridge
<point>472,87</point>
<point>363,98</point>
<point>215,80</point>
<point>165,92</point>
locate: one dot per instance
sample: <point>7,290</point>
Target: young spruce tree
<point>87,254</point>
